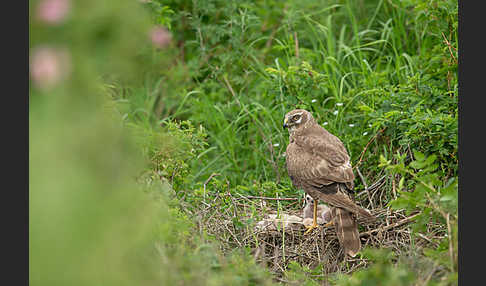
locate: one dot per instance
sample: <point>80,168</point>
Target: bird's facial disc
<point>292,120</point>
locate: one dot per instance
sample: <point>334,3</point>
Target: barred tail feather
<point>347,231</point>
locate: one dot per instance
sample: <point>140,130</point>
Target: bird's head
<point>309,200</point>
<point>296,119</point>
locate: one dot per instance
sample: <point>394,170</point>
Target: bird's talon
<point>310,228</point>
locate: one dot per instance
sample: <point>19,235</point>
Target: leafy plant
<point>421,189</point>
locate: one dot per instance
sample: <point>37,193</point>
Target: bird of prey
<point>323,212</point>
<point>318,163</point>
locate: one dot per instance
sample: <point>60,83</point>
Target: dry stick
<point>243,197</point>
<point>410,152</point>
<point>398,223</point>
<point>450,47</point>
<point>427,239</point>
<point>228,85</point>
<point>368,144</point>
<point>394,189</point>
<point>366,187</point>
<point>232,234</point>
<point>449,234</point>
<point>291,204</point>
<point>270,199</point>
<point>375,185</point>
<point>207,181</point>
<point>235,214</point>
<point>257,253</point>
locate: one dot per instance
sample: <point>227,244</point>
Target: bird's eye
<point>296,117</point>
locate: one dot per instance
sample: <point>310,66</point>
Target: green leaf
<point>417,164</point>
<point>400,183</point>
<point>430,159</point>
<point>419,156</point>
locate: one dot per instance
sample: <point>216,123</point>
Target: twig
<point>398,223</point>
<point>394,188</point>
<point>235,214</point>
<point>233,235</point>
<point>366,187</point>
<point>368,144</point>
<point>450,47</point>
<point>207,181</point>
<point>373,186</point>
<point>228,85</point>
<point>271,199</point>
<point>426,238</point>
<point>449,234</point>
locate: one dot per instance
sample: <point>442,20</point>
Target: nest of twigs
<point>233,219</point>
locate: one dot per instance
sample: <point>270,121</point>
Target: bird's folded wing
<point>337,196</point>
<point>339,199</point>
<point>326,148</point>
<point>325,162</point>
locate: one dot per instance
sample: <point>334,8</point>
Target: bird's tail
<point>347,231</point>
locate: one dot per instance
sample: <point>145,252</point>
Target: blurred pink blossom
<point>160,37</point>
<point>53,11</point>
<point>49,66</point>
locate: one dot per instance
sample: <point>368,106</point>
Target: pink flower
<point>160,37</point>
<point>49,66</point>
<point>53,11</point>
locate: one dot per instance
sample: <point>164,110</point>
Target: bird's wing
<point>323,160</point>
<point>326,146</point>
<point>336,195</point>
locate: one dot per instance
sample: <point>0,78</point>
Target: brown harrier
<point>318,163</point>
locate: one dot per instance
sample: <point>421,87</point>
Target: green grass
<point>213,103</point>
<point>372,61</point>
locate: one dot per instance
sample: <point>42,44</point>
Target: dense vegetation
<point>129,134</point>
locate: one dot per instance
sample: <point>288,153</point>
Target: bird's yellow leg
<point>314,221</point>
<point>331,223</point>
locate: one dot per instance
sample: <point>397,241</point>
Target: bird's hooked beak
<point>285,125</point>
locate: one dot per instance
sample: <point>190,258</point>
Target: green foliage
<point>299,275</point>
<point>90,221</point>
<point>381,272</point>
<point>170,149</point>
<point>161,14</point>
<point>421,188</point>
